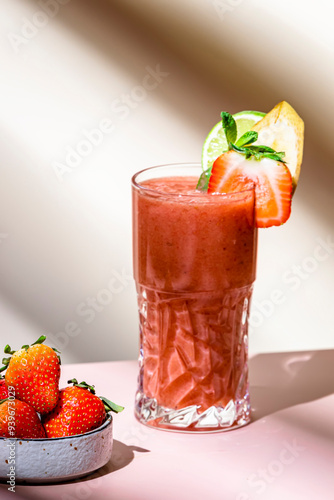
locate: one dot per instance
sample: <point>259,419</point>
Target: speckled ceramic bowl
<point>57,459</point>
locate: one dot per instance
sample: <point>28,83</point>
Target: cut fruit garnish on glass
<point>215,143</point>
<point>283,130</point>
<point>268,156</point>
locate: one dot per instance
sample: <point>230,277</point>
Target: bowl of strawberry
<point>47,433</point>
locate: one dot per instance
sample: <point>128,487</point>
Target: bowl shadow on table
<point>282,380</point>
<point>122,456</point>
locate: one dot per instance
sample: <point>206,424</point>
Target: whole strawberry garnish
<point>3,389</point>
<point>34,373</point>
<point>246,166</point>
<point>20,420</point>
<point>78,411</point>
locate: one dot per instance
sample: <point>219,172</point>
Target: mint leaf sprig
<point>229,127</point>
<point>259,152</point>
<point>243,146</point>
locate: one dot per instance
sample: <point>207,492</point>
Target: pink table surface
<point>286,452</point>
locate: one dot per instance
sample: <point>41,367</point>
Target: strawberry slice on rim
<point>232,172</point>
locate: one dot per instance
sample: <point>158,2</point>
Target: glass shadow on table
<point>285,379</point>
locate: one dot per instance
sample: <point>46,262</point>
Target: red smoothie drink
<point>194,266</point>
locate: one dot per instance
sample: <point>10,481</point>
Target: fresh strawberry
<point>78,411</point>
<point>20,420</point>
<point>233,172</point>
<point>34,373</point>
<point>3,389</point>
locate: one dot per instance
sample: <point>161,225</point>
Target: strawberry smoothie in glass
<point>194,266</point>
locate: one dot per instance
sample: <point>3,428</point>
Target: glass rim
<point>149,190</point>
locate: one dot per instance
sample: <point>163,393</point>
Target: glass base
<point>191,419</point>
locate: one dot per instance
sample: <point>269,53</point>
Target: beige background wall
<point>65,238</point>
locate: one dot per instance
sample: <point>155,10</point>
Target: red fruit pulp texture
<point>194,265</point>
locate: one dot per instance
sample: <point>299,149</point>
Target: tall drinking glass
<point>194,267</point>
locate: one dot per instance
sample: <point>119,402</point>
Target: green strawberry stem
<point>40,340</point>
<point>83,385</point>
<point>108,405</point>
<point>5,362</point>
<point>3,400</point>
<point>7,350</point>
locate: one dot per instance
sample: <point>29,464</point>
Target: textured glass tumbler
<point>194,266</point>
